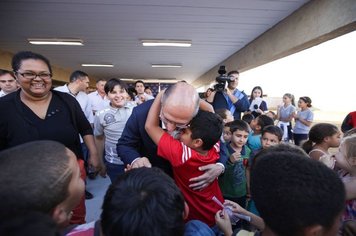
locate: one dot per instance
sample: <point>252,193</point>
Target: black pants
<point>299,138</point>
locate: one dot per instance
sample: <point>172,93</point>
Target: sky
<point>326,73</point>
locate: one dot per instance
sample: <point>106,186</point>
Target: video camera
<point>222,79</point>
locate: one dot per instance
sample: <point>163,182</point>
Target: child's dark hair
<point>264,121</point>
<point>208,127</point>
<point>239,125</point>
<point>251,96</point>
<point>110,85</point>
<point>319,202</point>
<point>317,133</point>
<point>132,92</point>
<point>307,100</point>
<point>222,112</point>
<point>152,205</point>
<point>273,129</point>
<point>248,117</point>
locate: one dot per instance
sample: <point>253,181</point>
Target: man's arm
<point>93,153</point>
<point>131,140</point>
<point>210,99</point>
<point>99,142</point>
<point>242,104</point>
<point>211,172</point>
<point>152,122</point>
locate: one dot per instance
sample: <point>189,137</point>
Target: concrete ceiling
<point>112,29</point>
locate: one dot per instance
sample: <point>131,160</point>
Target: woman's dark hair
<point>25,55</point>
<point>317,134</point>
<point>307,100</point>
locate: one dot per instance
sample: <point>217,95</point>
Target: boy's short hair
<point>264,120</point>
<point>292,192</point>
<point>208,127</point>
<point>143,201</point>
<point>248,117</point>
<point>34,176</point>
<point>111,83</point>
<point>238,125</point>
<point>273,129</point>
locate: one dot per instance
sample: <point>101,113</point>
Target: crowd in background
<point>178,164</point>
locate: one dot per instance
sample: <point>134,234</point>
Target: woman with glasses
<point>35,112</point>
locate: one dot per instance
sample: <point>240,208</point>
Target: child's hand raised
<point>236,156</point>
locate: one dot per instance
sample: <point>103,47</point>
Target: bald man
<point>180,103</point>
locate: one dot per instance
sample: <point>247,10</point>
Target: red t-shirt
<point>185,162</point>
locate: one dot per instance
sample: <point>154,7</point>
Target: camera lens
<point>255,106</point>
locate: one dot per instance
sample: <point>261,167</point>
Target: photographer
<point>230,97</point>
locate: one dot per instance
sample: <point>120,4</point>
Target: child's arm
<point>236,156</point>
<point>152,122</point>
<point>223,222</point>
<point>255,220</point>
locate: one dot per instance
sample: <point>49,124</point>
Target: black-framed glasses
<point>33,75</point>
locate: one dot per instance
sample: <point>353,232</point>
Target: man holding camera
<point>230,98</point>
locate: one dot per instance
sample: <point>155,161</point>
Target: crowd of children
<point>264,172</point>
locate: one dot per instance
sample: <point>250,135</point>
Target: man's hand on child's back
<point>141,162</point>
<point>212,171</point>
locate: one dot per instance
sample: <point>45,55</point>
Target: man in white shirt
<point>8,83</point>
<point>98,98</point>
<point>78,83</point>
<point>141,95</point>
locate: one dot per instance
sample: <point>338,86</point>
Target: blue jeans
<point>114,170</point>
<point>197,228</point>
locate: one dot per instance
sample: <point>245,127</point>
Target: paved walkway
<point>98,188</point>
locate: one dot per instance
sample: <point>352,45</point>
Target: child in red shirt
<point>197,146</point>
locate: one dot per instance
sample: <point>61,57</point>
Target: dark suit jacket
<point>135,142</point>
